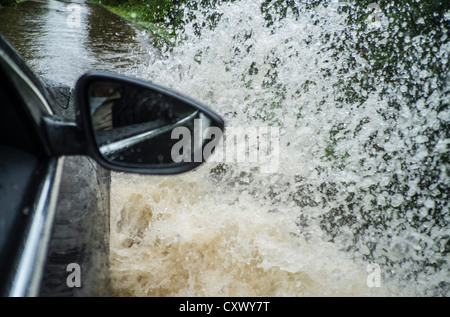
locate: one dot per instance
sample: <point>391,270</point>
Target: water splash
<point>362,178</point>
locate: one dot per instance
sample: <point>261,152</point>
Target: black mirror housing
<point>132,127</point>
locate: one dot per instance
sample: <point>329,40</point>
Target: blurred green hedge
<point>7,2</point>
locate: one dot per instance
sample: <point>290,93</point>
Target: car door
<point>54,211</point>
<point>29,178</point>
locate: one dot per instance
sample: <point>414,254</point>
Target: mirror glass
<point>136,125</point>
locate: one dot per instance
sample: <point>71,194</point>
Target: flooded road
<point>64,39</point>
<point>358,202</point>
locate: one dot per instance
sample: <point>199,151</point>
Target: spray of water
<point>362,179</point>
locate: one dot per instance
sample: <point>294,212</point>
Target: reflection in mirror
<point>134,125</point>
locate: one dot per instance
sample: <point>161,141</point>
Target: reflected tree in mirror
<point>133,125</point>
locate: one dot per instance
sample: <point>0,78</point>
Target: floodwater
<point>64,39</point>
<point>344,208</point>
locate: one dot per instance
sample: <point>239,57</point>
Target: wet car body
<point>31,177</point>
<point>54,184</point>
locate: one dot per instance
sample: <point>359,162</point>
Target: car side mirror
<point>132,125</point>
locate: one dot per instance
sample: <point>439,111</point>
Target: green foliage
<point>168,13</point>
<point>275,10</point>
<point>5,3</point>
<point>164,18</point>
<point>159,17</point>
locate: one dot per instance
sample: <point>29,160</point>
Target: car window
<point>29,92</point>
<point>23,107</point>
